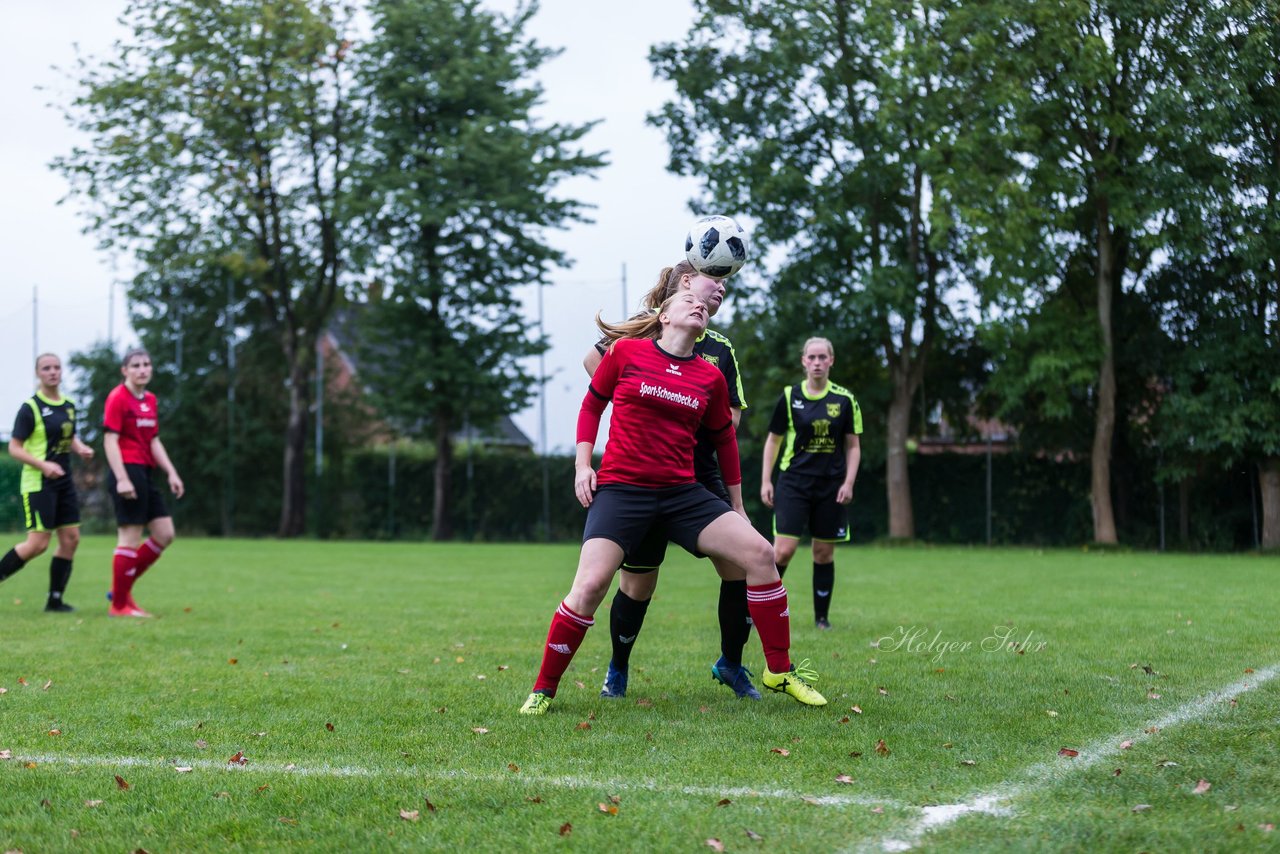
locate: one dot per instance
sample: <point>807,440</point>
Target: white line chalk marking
<point>995,801</point>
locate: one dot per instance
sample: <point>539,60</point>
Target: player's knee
<point>36,545</point>
<point>69,539</point>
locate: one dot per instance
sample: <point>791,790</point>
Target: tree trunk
<point>1184,512</point>
<point>902,523</point>
<point>1104,523</point>
<point>441,517</point>
<point>1269,486</point>
<point>293,509</point>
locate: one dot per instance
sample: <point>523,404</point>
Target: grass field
<point>366,682</point>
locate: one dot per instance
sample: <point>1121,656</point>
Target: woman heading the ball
<point>43,440</point>
<point>134,453</point>
<point>639,575</point>
<point>661,393</point>
<point>816,425</point>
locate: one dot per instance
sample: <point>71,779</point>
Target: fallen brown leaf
<point>22,680</point>
<point>233,661</point>
<point>479,730</point>
<point>1267,828</point>
<point>29,765</point>
<point>781,751</point>
<point>843,720</point>
<point>878,810</point>
<point>120,782</point>
<point>47,685</point>
<point>584,725</point>
<point>968,762</point>
<point>844,778</point>
<point>1125,745</point>
<point>752,835</point>
<point>608,809</point>
<point>328,726</point>
<point>856,753</point>
<point>1068,752</point>
<point>534,799</point>
<point>566,829</point>
<point>644,703</point>
<point>883,692</point>
<point>1152,695</point>
<point>579,683</point>
<point>882,748</point>
<point>857,710</point>
<point>201,744</point>
<point>93,804</point>
<point>1141,808</point>
<point>182,769</point>
<point>6,754</point>
<point>238,759</point>
<point>284,819</point>
<point>949,697</point>
<point>513,767</point>
<point>427,803</point>
<point>714,844</point>
<point>1152,730</point>
<point>1116,773</point>
<point>1166,763</point>
<point>723,802</point>
<point>1248,670</point>
<point>502,667</point>
<point>409,815</point>
<point>1202,787</point>
<point>55,732</point>
<point>615,799</point>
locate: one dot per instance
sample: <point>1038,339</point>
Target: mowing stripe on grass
<point>995,801</point>
<point>600,785</point>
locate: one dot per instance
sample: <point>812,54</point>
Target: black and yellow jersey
<point>45,429</point>
<point>814,429</point>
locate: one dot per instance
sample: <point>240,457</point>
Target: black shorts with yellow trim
<point>56,506</point>
<point>803,502</point>
<point>652,551</point>
<point>625,513</point>
<point>147,505</point>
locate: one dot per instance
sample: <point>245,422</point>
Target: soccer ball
<point>716,246</point>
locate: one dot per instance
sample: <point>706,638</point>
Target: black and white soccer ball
<point>716,246</point>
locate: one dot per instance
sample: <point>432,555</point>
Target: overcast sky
<point>641,210</point>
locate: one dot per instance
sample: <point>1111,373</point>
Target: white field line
<point>596,784</point>
<point>995,801</point>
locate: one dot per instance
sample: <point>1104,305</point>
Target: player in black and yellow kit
<point>44,438</point>
<point>816,425</point>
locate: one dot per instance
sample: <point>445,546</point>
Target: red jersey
<point>659,400</point>
<point>135,420</point>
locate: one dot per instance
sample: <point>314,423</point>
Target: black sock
<point>735,620</point>
<point>782,569</point>
<point>59,575</point>
<point>626,616</point>
<point>824,578</point>
<point>10,563</point>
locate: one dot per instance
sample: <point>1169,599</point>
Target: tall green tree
<point>458,194</point>
<point>1220,294</point>
<point>221,130</point>
<point>1089,106</point>
<point>830,125</point>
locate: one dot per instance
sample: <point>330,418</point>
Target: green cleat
<point>538,703</point>
<point>796,683</point>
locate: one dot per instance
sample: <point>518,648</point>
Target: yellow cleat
<point>538,703</point>
<point>796,683</point>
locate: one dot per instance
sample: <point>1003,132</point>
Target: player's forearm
<point>853,459</point>
<point>115,460</point>
<point>735,496</point>
<point>582,454</point>
<point>770,454</point>
<point>22,455</point>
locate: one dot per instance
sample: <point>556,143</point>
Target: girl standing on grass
<point>661,393</point>
<point>639,575</point>
<point>43,440</point>
<point>134,452</point>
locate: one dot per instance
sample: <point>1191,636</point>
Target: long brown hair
<point>668,284</point>
<point>646,325</point>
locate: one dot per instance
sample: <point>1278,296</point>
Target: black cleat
<point>58,607</point>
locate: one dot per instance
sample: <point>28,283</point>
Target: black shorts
<point>55,506</point>
<point>625,513</point>
<point>801,500</point>
<point>652,551</point>
<point>149,503</point>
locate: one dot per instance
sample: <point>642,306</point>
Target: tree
<point>830,125</point>
<point>457,196</point>
<point>1220,294</point>
<point>221,134</point>
<point>1093,152</point>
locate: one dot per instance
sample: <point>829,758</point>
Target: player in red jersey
<point>661,393</point>
<point>639,575</point>
<point>134,451</point>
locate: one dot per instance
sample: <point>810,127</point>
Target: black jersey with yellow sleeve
<point>45,429</point>
<point>814,429</point>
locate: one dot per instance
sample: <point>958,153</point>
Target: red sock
<point>123,573</point>
<point>148,553</point>
<point>768,606</point>
<point>563,639</point>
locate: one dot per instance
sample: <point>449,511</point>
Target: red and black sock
<point>769,612</point>
<point>563,639</point>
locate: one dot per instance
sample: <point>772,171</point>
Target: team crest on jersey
<point>833,410</point>
<point>711,360</point>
